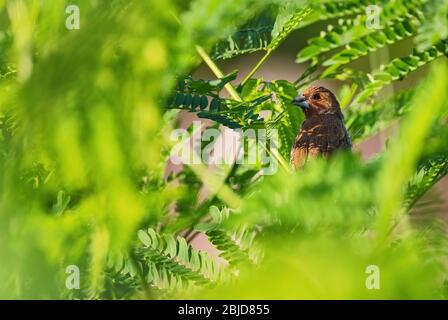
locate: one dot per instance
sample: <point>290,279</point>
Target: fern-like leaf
<point>367,120</point>
<point>326,10</point>
<point>234,246</point>
<point>400,67</point>
<point>287,27</point>
<point>428,174</point>
<point>350,29</point>
<point>252,37</point>
<point>167,262</point>
<point>398,29</point>
<point>435,27</point>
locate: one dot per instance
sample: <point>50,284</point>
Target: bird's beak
<point>301,102</point>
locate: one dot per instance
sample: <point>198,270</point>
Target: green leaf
<point>285,28</point>
<point>253,36</point>
<point>398,68</point>
<point>215,213</point>
<point>373,41</point>
<point>144,238</point>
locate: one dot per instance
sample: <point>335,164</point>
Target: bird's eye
<point>315,96</point>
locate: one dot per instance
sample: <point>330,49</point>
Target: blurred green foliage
<point>85,121</point>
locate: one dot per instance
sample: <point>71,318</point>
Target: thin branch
<point>230,89</point>
<point>255,69</point>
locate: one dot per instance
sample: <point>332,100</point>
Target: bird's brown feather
<point>320,135</point>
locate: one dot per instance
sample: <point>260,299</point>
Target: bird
<point>322,133</point>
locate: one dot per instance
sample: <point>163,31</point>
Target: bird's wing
<point>319,137</point>
<point>333,136</point>
<point>299,155</point>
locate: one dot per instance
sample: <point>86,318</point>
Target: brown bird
<point>323,131</point>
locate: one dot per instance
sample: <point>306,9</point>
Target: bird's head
<point>318,100</point>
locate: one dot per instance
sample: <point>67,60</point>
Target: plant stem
<point>230,89</point>
<point>232,92</point>
<point>281,160</point>
<point>146,289</point>
<point>255,69</point>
